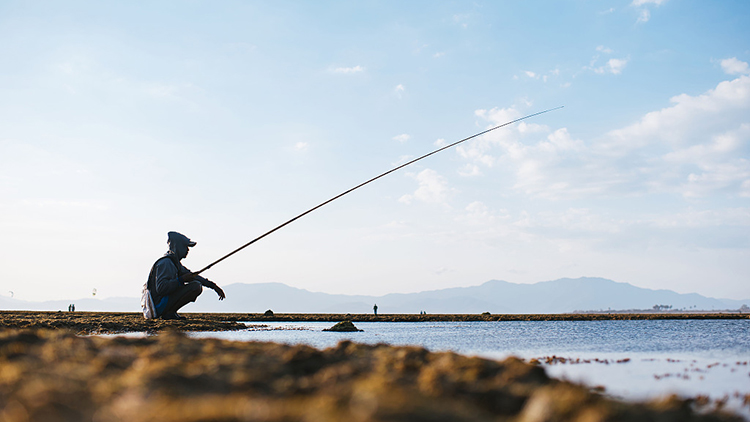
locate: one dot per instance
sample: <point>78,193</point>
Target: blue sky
<point>120,121</point>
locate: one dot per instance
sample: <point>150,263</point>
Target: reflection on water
<point>694,357</point>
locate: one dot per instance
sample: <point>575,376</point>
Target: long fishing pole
<point>368,181</point>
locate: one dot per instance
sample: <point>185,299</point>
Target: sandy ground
<point>113,322</point>
<point>55,375</point>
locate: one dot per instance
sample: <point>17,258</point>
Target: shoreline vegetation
<point>82,322</point>
<point>56,375</point>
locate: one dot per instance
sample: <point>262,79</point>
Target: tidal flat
<point>63,367</point>
<point>128,322</point>
<point>55,375</point>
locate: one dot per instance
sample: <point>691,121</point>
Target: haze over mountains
<point>495,296</point>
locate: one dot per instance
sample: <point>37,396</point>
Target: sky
<point>121,121</point>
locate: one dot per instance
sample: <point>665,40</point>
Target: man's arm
<point>188,275</point>
<point>211,285</point>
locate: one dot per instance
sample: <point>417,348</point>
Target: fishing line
<point>366,182</point>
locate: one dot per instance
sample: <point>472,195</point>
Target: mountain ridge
<point>495,296</point>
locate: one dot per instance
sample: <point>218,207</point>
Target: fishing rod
<point>366,182</point>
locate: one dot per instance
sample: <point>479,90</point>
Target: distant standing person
<point>173,286</point>
<point>375,308</point>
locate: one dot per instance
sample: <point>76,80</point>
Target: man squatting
<point>172,285</point>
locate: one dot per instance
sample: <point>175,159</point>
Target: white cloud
<point>644,13</point>
<point>703,218</point>
<point>745,189</point>
<point>476,151</point>
<point>462,19</point>
<point>644,16</point>
<point>524,127</point>
<point>440,142</point>
<point>638,3</point>
<point>544,77</point>
<point>399,89</point>
<point>697,147</point>
<point>402,159</point>
<point>402,138</point>
<point>587,229</point>
<point>477,213</point>
<point>531,163</point>
<point>469,170</point>
<point>581,220</point>
<point>732,66</point>
<point>720,163</point>
<point>301,146</point>
<point>438,54</point>
<point>613,66</point>
<point>721,144</point>
<point>347,70</point>
<point>560,140</point>
<point>604,49</point>
<point>498,115</point>
<point>433,188</point>
<point>677,124</point>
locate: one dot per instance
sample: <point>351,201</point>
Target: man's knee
<point>195,287</point>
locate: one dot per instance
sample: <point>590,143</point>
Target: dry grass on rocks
<point>54,375</point>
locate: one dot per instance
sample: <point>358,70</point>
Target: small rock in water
<point>343,326</point>
<point>268,313</point>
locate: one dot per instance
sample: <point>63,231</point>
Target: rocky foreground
<point>55,375</point>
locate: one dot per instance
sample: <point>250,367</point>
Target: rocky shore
<point>114,322</point>
<point>55,375</point>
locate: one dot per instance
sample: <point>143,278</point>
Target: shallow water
<point>690,358</point>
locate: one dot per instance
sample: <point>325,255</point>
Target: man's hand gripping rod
<point>368,181</point>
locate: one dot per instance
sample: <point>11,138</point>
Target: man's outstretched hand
<point>220,292</point>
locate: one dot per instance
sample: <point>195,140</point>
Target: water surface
<point>690,358</point>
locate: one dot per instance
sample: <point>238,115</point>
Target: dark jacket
<point>164,277</point>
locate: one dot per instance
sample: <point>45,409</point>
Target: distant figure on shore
<point>71,308</point>
<point>375,308</point>
<point>173,286</point>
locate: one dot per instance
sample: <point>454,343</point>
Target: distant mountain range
<point>495,296</point>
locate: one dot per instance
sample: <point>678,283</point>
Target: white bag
<point>147,303</point>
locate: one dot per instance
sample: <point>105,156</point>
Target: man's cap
<point>179,237</point>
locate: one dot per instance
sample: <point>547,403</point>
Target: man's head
<point>179,244</point>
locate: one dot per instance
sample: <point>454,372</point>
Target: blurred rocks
<point>55,375</point>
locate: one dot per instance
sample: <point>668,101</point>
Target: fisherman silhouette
<point>375,309</point>
<point>173,286</point>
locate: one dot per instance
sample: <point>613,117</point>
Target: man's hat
<point>173,237</point>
